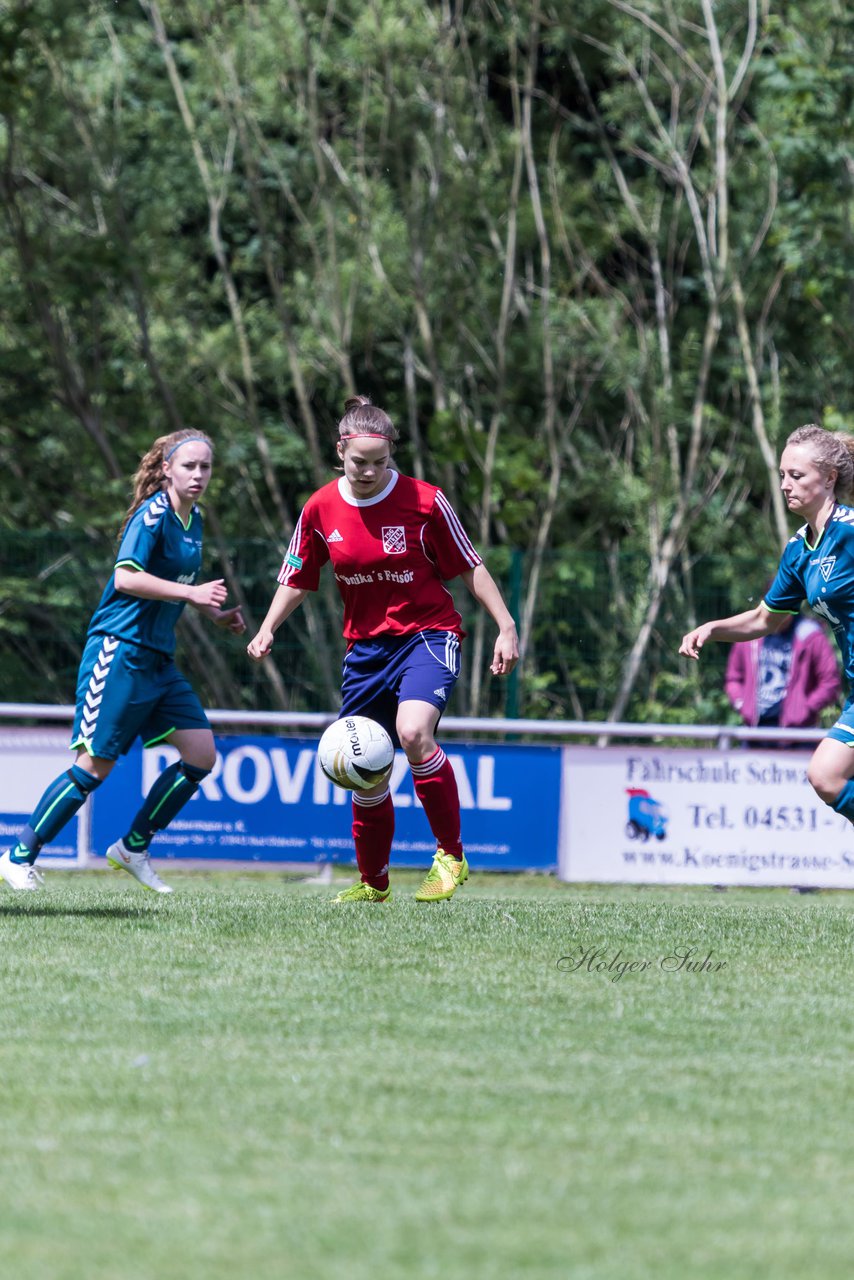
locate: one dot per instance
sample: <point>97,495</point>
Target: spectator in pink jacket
<point>785,679</point>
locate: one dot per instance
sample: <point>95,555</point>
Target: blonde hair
<point>361,418</point>
<point>149,478</point>
<point>830,451</point>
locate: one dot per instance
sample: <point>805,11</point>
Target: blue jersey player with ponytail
<point>817,565</point>
<point>128,685</point>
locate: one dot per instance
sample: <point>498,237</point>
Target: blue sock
<point>167,797</point>
<point>844,802</point>
<point>65,795</point>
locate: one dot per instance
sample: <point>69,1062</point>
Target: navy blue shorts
<point>125,691</point>
<point>843,730</point>
<point>380,674</point>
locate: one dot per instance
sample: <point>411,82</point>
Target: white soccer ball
<point>356,753</point>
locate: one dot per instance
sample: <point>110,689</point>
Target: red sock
<point>436,788</point>
<point>373,832</point>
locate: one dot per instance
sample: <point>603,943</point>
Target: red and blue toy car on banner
<point>647,817</point>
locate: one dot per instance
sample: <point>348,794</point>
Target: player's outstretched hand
<point>694,641</point>
<point>231,619</point>
<point>206,594</point>
<point>260,646</point>
<point>506,652</point>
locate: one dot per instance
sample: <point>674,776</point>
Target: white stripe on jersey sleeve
<point>458,533</point>
<point>287,571</point>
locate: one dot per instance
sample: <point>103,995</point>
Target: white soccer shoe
<point>138,864</point>
<point>21,876</point>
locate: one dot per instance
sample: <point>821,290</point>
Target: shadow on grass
<point>56,909</point>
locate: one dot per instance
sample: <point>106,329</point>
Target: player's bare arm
<point>282,606</point>
<point>750,625</point>
<point>136,582</point>
<point>484,588</point>
<point>231,620</point>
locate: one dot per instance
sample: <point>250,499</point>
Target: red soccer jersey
<point>390,554</point>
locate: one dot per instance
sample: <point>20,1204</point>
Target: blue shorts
<point>380,674</point>
<point>125,691</point>
<point>843,729</point>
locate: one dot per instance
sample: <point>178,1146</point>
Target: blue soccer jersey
<point>823,575</point>
<point>156,542</point>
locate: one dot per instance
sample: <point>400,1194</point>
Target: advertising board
<point>268,801</point>
<point>639,815</point>
<point>32,758</point>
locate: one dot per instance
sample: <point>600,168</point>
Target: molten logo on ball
<point>356,753</point>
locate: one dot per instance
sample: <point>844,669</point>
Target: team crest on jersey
<point>825,567</point>
<point>394,540</point>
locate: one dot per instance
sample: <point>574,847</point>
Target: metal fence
<point>473,728</point>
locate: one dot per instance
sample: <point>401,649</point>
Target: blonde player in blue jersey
<point>817,480</point>
<point>128,685</point>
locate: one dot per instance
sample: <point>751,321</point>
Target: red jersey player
<point>393,542</point>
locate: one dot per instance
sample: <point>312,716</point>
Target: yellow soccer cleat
<point>363,893</point>
<point>443,879</point>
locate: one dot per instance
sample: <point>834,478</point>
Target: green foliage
<point>238,224</point>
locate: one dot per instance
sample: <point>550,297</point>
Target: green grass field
<point>247,1081</point>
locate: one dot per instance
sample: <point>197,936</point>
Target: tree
<point>572,257</point>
